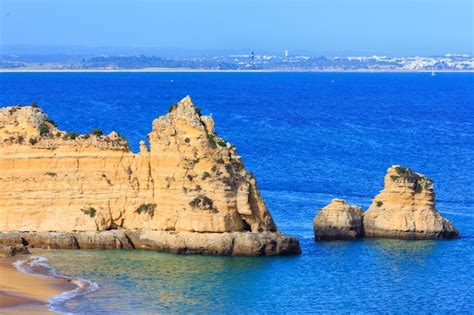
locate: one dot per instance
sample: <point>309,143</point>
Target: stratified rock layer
<point>229,244</point>
<point>189,180</point>
<point>338,220</point>
<point>406,209</point>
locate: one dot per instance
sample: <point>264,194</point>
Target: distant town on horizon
<point>80,59</point>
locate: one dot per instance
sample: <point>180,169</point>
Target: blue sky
<point>404,27</point>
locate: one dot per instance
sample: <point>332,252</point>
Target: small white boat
<point>433,73</point>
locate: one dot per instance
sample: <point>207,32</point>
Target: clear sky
<point>403,27</point>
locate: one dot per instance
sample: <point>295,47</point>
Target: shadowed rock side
<point>338,220</point>
<point>13,250</point>
<point>404,209</point>
<point>189,180</point>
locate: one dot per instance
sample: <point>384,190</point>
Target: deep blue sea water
<point>308,137</point>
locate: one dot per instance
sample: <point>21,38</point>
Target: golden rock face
<point>406,208</point>
<point>338,220</point>
<point>188,180</point>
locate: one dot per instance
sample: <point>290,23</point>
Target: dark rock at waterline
<point>13,250</point>
<point>228,244</point>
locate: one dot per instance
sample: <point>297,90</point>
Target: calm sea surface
<point>308,137</point>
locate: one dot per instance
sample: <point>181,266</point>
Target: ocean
<point>308,138</point>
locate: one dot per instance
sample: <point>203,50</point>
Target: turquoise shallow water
<point>363,276</point>
<point>307,137</point>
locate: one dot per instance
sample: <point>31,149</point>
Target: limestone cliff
<point>188,180</point>
<point>406,209</point>
<point>338,220</point>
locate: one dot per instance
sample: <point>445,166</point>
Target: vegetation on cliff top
<point>96,132</point>
<point>406,174</point>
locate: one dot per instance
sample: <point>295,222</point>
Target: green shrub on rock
<point>89,211</point>
<point>96,132</point>
<point>148,208</point>
<point>43,129</point>
<point>72,135</point>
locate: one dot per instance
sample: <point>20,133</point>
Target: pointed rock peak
<point>187,101</point>
<point>184,108</point>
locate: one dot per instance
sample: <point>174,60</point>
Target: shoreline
<point>28,286</point>
<point>177,70</point>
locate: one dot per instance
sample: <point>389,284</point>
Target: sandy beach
<point>22,293</point>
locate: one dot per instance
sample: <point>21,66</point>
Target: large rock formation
<point>406,209</point>
<point>338,220</point>
<point>189,180</point>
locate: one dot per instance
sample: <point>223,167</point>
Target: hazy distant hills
<point>79,58</point>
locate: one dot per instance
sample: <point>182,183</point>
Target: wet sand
<point>22,293</point>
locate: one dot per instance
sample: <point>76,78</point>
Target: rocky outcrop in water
<point>338,220</point>
<point>405,208</point>
<point>189,180</point>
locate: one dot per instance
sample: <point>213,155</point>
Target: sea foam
<point>36,265</point>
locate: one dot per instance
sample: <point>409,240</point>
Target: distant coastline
<point>237,63</point>
<point>29,70</point>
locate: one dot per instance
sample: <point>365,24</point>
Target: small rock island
<point>338,220</point>
<point>405,209</point>
<point>188,192</point>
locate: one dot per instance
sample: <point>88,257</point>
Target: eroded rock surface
<point>405,208</point>
<point>188,180</point>
<point>13,250</point>
<point>338,220</point>
<point>229,244</point>
<point>233,243</point>
<point>115,239</point>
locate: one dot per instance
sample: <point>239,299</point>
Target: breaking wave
<point>36,265</point>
